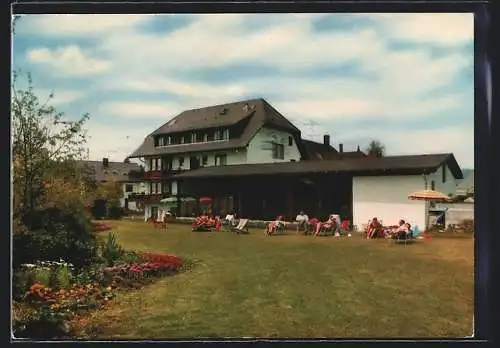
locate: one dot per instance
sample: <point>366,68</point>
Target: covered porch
<point>267,196</point>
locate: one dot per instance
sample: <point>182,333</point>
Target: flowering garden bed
<point>46,308</point>
<point>100,226</point>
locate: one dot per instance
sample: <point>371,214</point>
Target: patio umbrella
<point>206,200</point>
<point>428,195</point>
<point>188,199</point>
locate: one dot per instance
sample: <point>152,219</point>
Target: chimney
<point>359,150</point>
<point>341,148</point>
<point>326,140</point>
<point>105,162</point>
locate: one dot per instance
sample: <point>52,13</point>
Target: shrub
<point>112,251</point>
<point>53,234</point>
<point>115,212</point>
<point>98,210</point>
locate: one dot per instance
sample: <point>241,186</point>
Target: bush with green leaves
<point>115,212</point>
<point>53,234</point>
<point>112,251</point>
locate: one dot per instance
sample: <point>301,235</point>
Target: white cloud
<point>439,28</point>
<point>77,25</point>
<point>162,110</point>
<point>59,97</point>
<point>70,60</point>
<point>114,142</point>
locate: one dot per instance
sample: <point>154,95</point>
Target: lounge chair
<point>241,228</point>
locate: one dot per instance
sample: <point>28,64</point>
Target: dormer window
<point>225,135</point>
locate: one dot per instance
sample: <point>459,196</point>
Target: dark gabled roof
<point>260,113</point>
<point>414,164</point>
<point>352,154</point>
<point>118,171</point>
<point>318,151</point>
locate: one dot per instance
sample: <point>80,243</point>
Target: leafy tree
<point>375,149</point>
<point>41,139</point>
<point>67,185</point>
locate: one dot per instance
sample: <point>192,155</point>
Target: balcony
<point>160,174</point>
<point>147,198</point>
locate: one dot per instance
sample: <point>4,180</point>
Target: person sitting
<point>302,220</point>
<point>311,225</point>
<point>330,224</point>
<point>229,219</point>
<point>400,231</point>
<point>274,226</point>
<point>374,229</point>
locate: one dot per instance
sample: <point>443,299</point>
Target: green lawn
<point>294,286</point>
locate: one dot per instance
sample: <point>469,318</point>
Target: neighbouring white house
<point>122,172</point>
<point>249,158</point>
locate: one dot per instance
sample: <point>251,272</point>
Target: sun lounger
<point>241,228</point>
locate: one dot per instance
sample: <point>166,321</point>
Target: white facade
<point>137,188</point>
<point>260,148</point>
<point>386,197</point>
<point>449,186</point>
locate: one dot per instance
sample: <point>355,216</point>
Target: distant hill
<point>467,183</point>
<point>467,172</point>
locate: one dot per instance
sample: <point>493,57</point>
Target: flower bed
<point>100,226</point>
<point>44,310</point>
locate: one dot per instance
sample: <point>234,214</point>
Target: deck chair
<point>241,228</point>
<point>409,238</point>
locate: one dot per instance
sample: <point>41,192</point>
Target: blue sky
<point>404,79</point>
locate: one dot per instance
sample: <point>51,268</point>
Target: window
<point>182,140</point>
<point>165,187</point>
<point>156,164</point>
<point>225,135</point>
<point>204,160</point>
<point>443,171</point>
<point>169,140</point>
<point>290,141</point>
<point>129,188</point>
<point>210,136</point>
<point>278,151</point>
<point>193,137</point>
<point>161,141</point>
<point>181,162</point>
<point>205,137</point>
<point>217,135</point>
<point>433,185</point>
<point>221,160</point>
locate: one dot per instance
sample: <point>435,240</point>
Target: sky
<point>403,79</point>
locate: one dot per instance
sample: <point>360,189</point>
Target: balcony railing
<point>160,174</point>
<point>147,198</point>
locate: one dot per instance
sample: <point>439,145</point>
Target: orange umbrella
<point>429,195</point>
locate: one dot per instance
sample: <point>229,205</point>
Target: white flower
<point>28,265</point>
